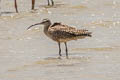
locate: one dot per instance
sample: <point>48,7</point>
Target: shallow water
<point>30,55</point>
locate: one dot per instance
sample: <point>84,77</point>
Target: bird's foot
<point>48,4</point>
<point>59,57</point>
<point>67,57</point>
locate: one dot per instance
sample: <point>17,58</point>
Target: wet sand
<point>30,55</point>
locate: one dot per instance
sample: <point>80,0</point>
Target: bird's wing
<point>67,31</point>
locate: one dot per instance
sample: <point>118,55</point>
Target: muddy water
<point>30,55</point>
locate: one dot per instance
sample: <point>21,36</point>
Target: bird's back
<point>55,24</point>
<point>64,33</point>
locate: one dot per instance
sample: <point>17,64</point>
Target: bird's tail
<point>89,34</point>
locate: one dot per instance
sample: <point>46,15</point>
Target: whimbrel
<point>33,4</point>
<point>62,33</point>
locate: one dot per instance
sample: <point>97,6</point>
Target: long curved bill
<point>33,25</point>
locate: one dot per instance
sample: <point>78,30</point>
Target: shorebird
<point>62,33</point>
<point>33,4</point>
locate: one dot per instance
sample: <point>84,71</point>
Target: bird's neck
<point>46,27</point>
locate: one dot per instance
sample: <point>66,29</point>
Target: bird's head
<point>45,22</point>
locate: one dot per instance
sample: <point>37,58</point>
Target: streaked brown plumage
<point>62,33</point>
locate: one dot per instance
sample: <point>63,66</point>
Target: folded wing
<point>68,33</point>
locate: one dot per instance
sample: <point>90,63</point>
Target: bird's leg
<point>16,6</point>
<point>59,50</point>
<point>66,50</point>
<point>33,4</point>
<point>52,2</point>
<point>48,3</point>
